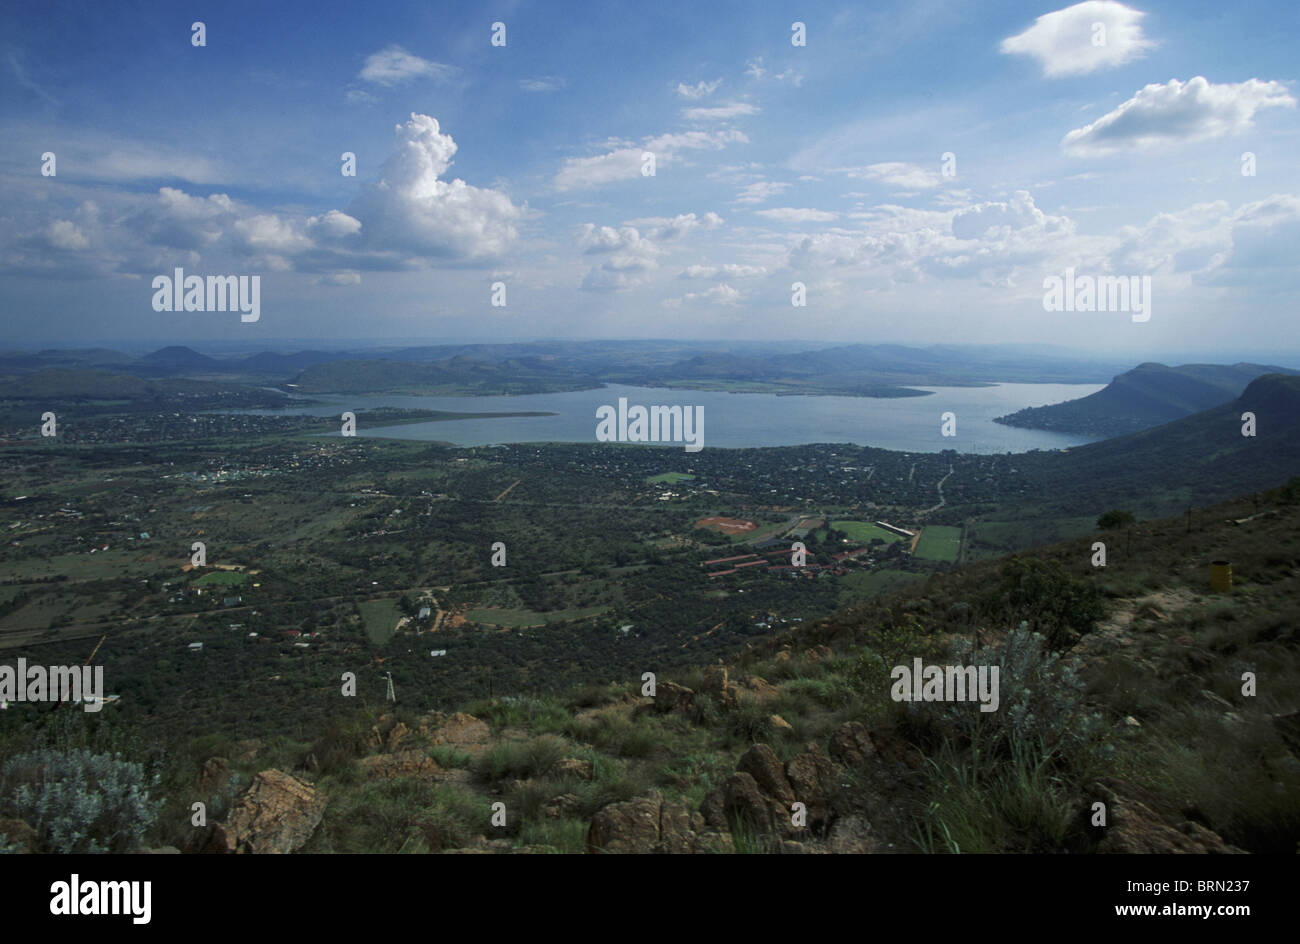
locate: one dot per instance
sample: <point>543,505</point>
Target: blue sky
<point>774,163</point>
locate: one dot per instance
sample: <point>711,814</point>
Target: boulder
<point>669,696</point>
<point>851,744</point>
<point>645,824</point>
<point>277,814</point>
<point>675,834</point>
<point>744,800</point>
<point>759,689</point>
<point>631,826</point>
<point>562,806</point>
<point>812,778</point>
<point>1132,826</point>
<point>717,684</point>
<point>761,763</point>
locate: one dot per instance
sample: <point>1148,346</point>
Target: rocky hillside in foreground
<point>1121,685</point>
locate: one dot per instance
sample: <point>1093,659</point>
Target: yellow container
<point>1220,576</point>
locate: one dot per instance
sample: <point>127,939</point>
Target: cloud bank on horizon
<point>919,170</point>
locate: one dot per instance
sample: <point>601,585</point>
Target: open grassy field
<point>996,538</point>
<point>672,478</point>
<point>517,618</point>
<point>380,618</point>
<point>222,578</point>
<point>863,585</point>
<point>86,566</point>
<point>939,542</point>
<point>865,531</point>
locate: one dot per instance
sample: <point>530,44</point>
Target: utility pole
<point>391,695</point>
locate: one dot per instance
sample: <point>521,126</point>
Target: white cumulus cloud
<point>410,209</point>
<point>1177,112</point>
<point>1096,34</point>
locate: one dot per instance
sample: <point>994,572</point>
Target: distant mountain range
<point>455,375</point>
<point>1146,396</point>
<point>875,370</point>
<point>59,385</point>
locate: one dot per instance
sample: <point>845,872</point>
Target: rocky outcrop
<point>851,745</point>
<point>277,814</point>
<point>401,764</point>
<point>759,689</point>
<point>812,778</point>
<point>461,731</point>
<point>1132,826</point>
<point>761,763</point>
<point>717,684</point>
<point>649,824</point>
<point>562,806</point>
<point>762,792</point>
<point>387,734</point>
<point>669,696</point>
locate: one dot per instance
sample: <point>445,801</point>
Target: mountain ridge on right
<point>1150,394</point>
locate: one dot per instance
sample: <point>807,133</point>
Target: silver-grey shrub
<point>77,801</point>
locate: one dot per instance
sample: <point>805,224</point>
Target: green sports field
<point>939,542</point>
<point>672,478</point>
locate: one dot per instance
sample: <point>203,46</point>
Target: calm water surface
<point>909,424</point>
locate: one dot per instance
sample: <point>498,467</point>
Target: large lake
<point>909,424</point>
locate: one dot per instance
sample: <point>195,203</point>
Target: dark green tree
<point>1055,604</point>
<point>1115,518</point>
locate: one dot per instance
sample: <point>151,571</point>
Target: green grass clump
<point>521,760</point>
